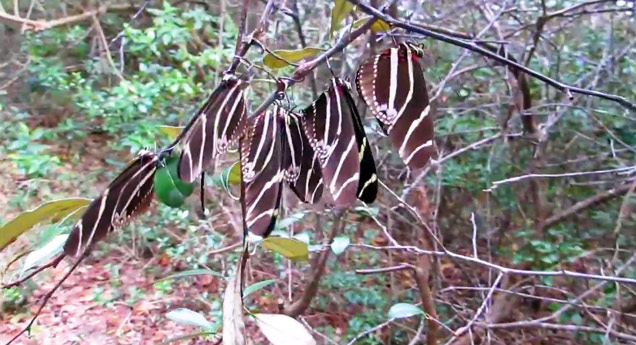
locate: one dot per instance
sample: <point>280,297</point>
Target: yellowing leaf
<point>378,26</point>
<point>283,330</point>
<point>171,131</point>
<point>290,248</point>
<point>54,210</point>
<point>339,12</point>
<point>233,174</point>
<point>282,58</point>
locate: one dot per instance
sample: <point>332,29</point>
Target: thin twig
<point>568,89</point>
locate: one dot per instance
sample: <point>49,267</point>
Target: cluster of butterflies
<point>324,147</point>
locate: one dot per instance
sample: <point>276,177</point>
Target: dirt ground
<point>76,313</point>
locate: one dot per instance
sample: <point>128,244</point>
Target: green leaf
<point>184,188</point>
<point>257,286</point>
<point>54,210</point>
<point>190,273</point>
<point>402,310</point>
<point>283,330</point>
<point>340,244</point>
<point>171,190</point>
<point>189,317</point>
<point>282,58</point>
<point>233,174</point>
<point>171,131</point>
<point>339,12</point>
<point>292,249</point>
<point>166,190</point>
<point>378,26</point>
<point>229,175</point>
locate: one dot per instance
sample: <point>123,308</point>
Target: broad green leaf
<point>190,273</point>
<point>257,286</point>
<point>339,12</point>
<point>402,310</point>
<point>171,131</point>
<point>53,210</point>
<point>283,330</point>
<point>282,58</point>
<point>172,163</point>
<point>378,26</point>
<point>290,248</point>
<point>233,323</point>
<point>189,317</point>
<point>166,190</point>
<point>49,250</point>
<point>340,244</point>
<point>169,188</point>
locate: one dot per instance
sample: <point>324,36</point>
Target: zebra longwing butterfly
<point>393,87</point>
<point>335,132</point>
<point>302,167</point>
<point>262,150</point>
<point>129,194</point>
<point>217,124</point>
<point>368,185</point>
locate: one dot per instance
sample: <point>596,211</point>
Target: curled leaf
<point>282,58</point>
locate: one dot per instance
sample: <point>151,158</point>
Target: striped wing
<point>129,194</point>
<point>329,127</point>
<point>393,87</point>
<point>262,172</point>
<point>368,184</point>
<point>217,124</point>
<point>302,167</point>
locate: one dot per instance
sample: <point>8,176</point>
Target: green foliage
<point>28,154</point>
<point>168,187</point>
<point>558,246</point>
<point>163,65</point>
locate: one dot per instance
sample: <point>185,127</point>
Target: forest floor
<point>100,305</point>
<point>109,299</point>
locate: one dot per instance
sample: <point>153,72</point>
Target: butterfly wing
<point>262,172</point>
<point>403,107</point>
<point>217,124</point>
<point>129,194</point>
<point>331,134</point>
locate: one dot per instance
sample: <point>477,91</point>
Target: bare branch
<point>472,46</point>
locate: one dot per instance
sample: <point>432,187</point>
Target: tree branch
<point>298,307</point>
<point>41,25</point>
<point>475,47</point>
<point>421,279</point>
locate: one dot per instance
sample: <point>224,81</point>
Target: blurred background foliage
<point>77,101</point>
